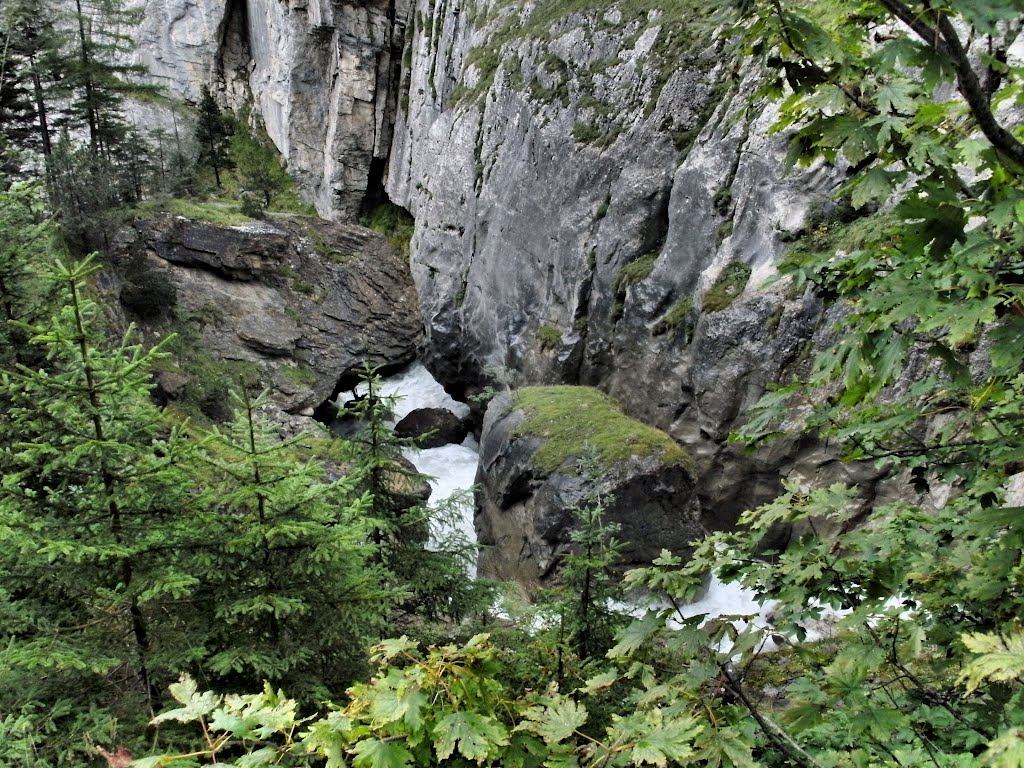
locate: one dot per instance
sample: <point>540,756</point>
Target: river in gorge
<point>451,471</point>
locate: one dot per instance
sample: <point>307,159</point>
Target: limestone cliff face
<point>322,74</point>
<point>581,185</point>
<point>587,186</point>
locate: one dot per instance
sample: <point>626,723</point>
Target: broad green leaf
<point>387,650</point>
<point>256,758</point>
<point>476,736</point>
<point>898,97</point>
<point>636,634</point>
<point>197,704</point>
<point>1000,659</point>
<point>557,721</point>
<point>874,185</point>
<point>375,753</point>
<point>1006,750</point>
<point>600,682</point>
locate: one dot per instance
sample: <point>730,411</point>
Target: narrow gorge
<point>597,199</point>
<point>567,383</point>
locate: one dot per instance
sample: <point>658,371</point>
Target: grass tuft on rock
<point>567,418</point>
<point>635,271</point>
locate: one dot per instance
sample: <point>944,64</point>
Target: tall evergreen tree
<point>212,135</point>
<point>97,79</point>
<point>91,498</point>
<point>25,234</point>
<point>30,65</point>
<point>258,164</point>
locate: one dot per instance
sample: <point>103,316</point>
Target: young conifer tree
<point>25,232</point>
<point>434,579</point>
<point>212,135</point>
<point>92,503</point>
<point>289,587</point>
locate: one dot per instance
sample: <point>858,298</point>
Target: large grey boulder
<point>432,427</point>
<point>305,301</point>
<point>526,496</point>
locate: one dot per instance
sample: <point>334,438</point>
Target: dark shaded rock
<point>524,514</point>
<point>304,300</point>
<point>169,386</point>
<point>404,485</point>
<point>432,427</point>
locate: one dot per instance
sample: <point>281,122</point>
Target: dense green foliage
<point>136,546</point>
<point>925,664</point>
<point>212,135</point>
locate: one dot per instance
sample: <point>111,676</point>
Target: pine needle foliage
<point>92,494</point>
<point>285,561</point>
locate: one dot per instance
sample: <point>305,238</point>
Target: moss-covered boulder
<point>529,481</point>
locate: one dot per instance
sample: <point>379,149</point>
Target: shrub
<point>549,337</point>
<point>393,222</point>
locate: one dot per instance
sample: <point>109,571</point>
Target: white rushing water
<point>450,469</point>
<point>413,388</point>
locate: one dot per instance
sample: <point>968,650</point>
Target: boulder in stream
<point>529,482</point>
<point>432,427</point>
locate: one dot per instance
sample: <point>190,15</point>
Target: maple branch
<point>944,39</point>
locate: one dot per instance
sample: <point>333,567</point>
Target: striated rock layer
<point>322,75</point>
<point>305,301</point>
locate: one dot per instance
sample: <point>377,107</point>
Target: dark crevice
<point>386,96</point>
<point>375,193</point>
<point>235,50</point>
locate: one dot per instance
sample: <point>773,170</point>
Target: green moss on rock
<point>678,315</point>
<point>727,287</point>
<point>566,418</point>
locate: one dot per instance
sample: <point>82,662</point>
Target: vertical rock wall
<point>322,75</point>
<point>587,179</point>
<point>580,182</point>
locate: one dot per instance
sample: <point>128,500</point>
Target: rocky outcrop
<point>432,427</point>
<point>526,497</point>
<point>305,301</point>
<point>321,74</point>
